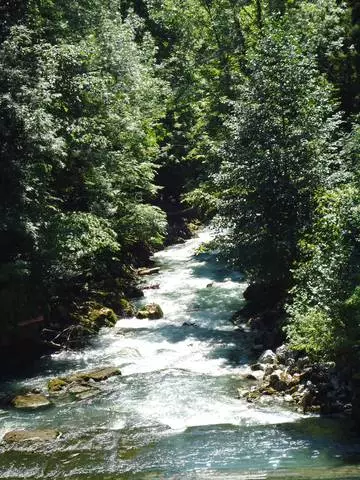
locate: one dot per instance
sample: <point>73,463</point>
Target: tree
<point>282,148</point>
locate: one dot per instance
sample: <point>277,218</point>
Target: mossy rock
<point>56,385</point>
<point>31,401</point>
<point>97,317</point>
<point>81,379</point>
<point>127,309</point>
<point>103,317</point>
<point>151,311</point>
<point>19,436</point>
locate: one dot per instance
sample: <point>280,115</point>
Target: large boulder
<point>31,401</point>
<point>267,357</point>
<point>151,311</point>
<point>17,436</point>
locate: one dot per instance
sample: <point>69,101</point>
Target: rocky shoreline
<point>286,376</point>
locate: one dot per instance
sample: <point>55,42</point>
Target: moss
<point>127,308</point>
<point>152,311</point>
<point>56,384</point>
<point>142,314</point>
<point>98,317</point>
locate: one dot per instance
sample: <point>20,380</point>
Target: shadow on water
<point>218,274</point>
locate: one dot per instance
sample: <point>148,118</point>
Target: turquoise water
<point>174,412</point>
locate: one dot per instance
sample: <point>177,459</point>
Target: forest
<point>125,123</point>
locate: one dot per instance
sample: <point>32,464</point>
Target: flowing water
<point>174,412</point>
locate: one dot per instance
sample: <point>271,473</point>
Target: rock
<point>282,353</point>
<point>17,436</point>
<point>31,401</point>
<point>127,309</point>
<point>267,357</point>
<point>255,375</point>
<point>209,285</point>
<point>303,362</point>
<point>189,324</point>
<point>269,369</point>
<point>100,374</point>
<point>97,375</point>
<point>101,317</point>
<point>151,311</point>
<point>257,366</point>
<point>153,286</point>
<point>77,383</point>
<point>56,385</point>
<point>148,271</point>
<point>306,400</point>
<point>82,392</point>
<point>280,380</point>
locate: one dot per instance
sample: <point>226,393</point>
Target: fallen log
<point>148,271</point>
<point>153,286</point>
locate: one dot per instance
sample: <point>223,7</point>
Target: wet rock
<point>257,366</point>
<point>151,311</point>
<point>306,400</point>
<point>100,374</point>
<point>56,385</point>
<point>267,357</point>
<point>82,392</point>
<point>255,375</point>
<point>18,436</point>
<point>79,384</point>
<point>31,401</point>
<point>189,324</point>
<point>153,286</point>
<point>101,317</point>
<point>127,309</point>
<point>97,375</point>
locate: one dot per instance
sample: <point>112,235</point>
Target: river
<point>174,412</point>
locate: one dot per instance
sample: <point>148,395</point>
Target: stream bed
<point>175,413</point>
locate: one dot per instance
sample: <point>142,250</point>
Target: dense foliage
<point>79,105</point>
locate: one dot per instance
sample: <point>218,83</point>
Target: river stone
<point>56,385</point>
<point>17,436</point>
<point>78,383</point>
<point>82,392</point>
<point>31,401</point>
<point>99,375</point>
<point>151,311</point>
<point>281,381</point>
<point>267,357</point>
<point>257,366</point>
